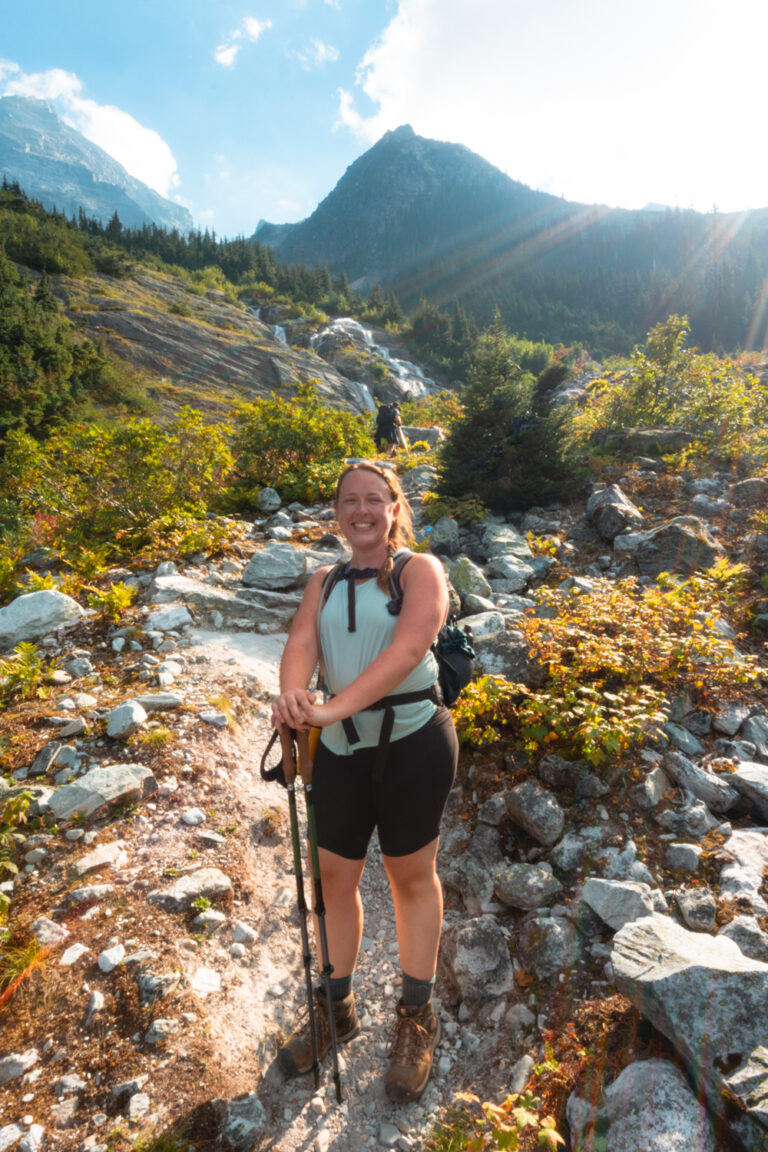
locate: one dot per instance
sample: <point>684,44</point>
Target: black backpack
<point>385,421</point>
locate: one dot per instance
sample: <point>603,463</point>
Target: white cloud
<point>317,54</point>
<point>141,151</point>
<point>226,54</point>
<point>250,29</point>
<point>600,100</point>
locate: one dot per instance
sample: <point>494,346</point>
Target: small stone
<point>72,955</point>
<point>244,934</point>
<point>17,1064</point>
<point>193,816</point>
<point>33,1139</point>
<point>48,934</point>
<point>111,957</point>
<point>137,1106</point>
<point>388,1134</point>
<point>64,1113</point>
<point>95,1005</point>
<point>160,1030</point>
<point>9,1134</point>
<point>237,951</point>
<point>205,980</point>
<point>71,1083</point>
<point>217,719</point>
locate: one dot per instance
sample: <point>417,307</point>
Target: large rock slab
<point>611,512</point>
<point>504,540</point>
<point>618,902</point>
<point>741,878</point>
<point>254,605</point>
<point>751,780</point>
<point>526,886</point>
<point>536,810</point>
<point>507,654</point>
<point>650,1105</point>
<point>466,578</point>
<point>706,997</point>
<point>478,956</point>
<point>683,545</point>
<point>35,614</point>
<point>205,882</point>
<point>276,566</point>
<point>714,790</point>
<point>100,788</point>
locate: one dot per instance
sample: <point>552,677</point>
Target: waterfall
<point>411,378</point>
<point>279,333</point>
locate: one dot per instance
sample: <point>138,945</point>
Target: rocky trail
<point>606,931</point>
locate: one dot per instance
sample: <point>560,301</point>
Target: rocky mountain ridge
<point>58,166</point>
<point>168,976</point>
<point>433,219</point>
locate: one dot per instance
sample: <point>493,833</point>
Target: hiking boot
<point>295,1056</point>
<point>415,1036</point>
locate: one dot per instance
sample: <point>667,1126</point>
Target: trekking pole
<point>289,768</point>
<point>305,771</point>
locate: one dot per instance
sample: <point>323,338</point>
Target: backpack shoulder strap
<point>402,556</point>
<point>332,577</point>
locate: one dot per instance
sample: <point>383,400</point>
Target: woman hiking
<point>398,785</point>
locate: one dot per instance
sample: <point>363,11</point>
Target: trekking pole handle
<point>306,758</point>
<point>289,760</point>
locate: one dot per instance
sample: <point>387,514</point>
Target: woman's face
<point>365,509</point>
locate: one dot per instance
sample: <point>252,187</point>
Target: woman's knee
<point>414,882</point>
<point>340,877</point>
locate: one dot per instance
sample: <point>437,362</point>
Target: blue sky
<point>253,110</point>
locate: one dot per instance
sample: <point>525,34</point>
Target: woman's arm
<point>299,660</point>
<point>425,604</point>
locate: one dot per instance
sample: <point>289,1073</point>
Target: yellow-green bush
<point>297,446</point>
<point>114,490</point>
<point>614,658</point>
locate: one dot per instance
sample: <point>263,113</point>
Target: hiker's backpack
<point>452,647</point>
<point>386,422</point>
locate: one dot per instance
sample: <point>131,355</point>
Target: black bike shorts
<point>406,807</point>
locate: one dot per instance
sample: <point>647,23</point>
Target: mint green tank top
<point>346,654</point>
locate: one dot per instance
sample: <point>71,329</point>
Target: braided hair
<point>401,532</point>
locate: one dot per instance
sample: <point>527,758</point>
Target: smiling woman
<point>375,658</point>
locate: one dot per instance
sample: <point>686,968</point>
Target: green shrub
<point>297,446</point>
<point>719,401</point>
<point>115,490</point>
<point>23,673</point>
<point>113,602</point>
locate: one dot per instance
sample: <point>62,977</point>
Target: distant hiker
<point>401,440</point>
<point>380,763</point>
<point>388,421</point>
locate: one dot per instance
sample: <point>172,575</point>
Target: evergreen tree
<point>501,450</point>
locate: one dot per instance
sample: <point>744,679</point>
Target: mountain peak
<point>58,166</point>
<point>404,132</point>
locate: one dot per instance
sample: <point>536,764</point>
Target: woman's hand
<point>292,709</point>
<point>297,709</point>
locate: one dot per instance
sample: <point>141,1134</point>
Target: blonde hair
<point>401,532</point>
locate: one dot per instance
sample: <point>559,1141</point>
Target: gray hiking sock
<point>340,987</point>
<point>417,992</point>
